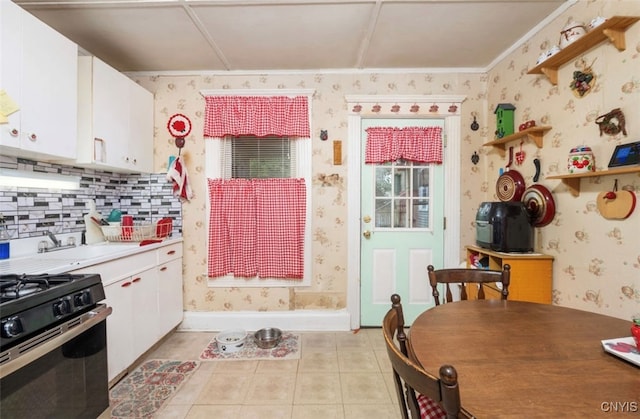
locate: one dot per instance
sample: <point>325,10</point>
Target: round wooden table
<point>517,359</point>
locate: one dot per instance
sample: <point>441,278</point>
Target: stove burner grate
<point>14,286</point>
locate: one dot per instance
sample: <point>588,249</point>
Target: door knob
<point>366,219</point>
<point>366,234</point>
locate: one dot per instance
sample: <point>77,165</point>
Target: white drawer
<point>117,269</point>
<point>171,252</point>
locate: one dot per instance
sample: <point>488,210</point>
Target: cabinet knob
<point>14,132</point>
<point>164,268</point>
<point>32,136</point>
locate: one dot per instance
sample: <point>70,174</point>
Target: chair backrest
<point>466,276</point>
<point>410,377</point>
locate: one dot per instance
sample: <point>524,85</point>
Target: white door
<point>402,229</point>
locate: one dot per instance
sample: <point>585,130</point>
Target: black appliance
<point>504,227</point>
<point>53,349</point>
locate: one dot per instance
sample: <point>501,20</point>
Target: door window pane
<point>402,195</point>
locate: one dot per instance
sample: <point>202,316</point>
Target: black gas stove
<point>53,345</point>
<point>30,304</point>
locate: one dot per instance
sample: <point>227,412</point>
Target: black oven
<point>53,362</point>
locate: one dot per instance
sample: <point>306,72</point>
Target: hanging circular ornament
<point>179,126</point>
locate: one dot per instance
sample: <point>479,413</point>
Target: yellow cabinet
<point>531,273</point>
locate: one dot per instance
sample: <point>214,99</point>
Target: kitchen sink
<point>81,253</point>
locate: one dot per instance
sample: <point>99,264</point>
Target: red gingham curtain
<point>256,115</point>
<point>256,228</point>
<point>419,144</point>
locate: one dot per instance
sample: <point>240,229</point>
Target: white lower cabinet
<point>144,320</point>
<point>119,330</point>
<point>145,292</point>
<point>170,300</point>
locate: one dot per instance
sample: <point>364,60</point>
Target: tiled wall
<point>30,211</point>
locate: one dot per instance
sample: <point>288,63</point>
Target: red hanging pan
<point>538,201</point>
<point>510,185</point>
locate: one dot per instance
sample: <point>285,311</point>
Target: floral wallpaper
<point>597,261</point>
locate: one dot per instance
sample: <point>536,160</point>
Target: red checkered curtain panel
<point>419,144</point>
<point>256,115</point>
<point>256,228</point>
<point>232,228</point>
<point>280,209</point>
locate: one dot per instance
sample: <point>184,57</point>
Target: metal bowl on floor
<point>268,338</point>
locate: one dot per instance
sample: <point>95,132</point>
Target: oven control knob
<point>62,307</point>
<point>82,299</point>
<point>11,328</point>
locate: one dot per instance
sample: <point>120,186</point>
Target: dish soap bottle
<point>4,240</point>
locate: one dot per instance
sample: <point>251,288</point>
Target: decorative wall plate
<point>179,126</point>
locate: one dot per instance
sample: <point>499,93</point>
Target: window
<point>259,157</point>
<point>262,157</point>
<point>402,195</point>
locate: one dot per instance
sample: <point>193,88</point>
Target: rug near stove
<point>143,392</point>
<point>287,348</point>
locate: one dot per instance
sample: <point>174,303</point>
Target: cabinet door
<point>119,331</point>
<point>170,295</point>
<point>145,311</point>
<point>11,68</point>
<point>140,156</point>
<point>110,113</point>
<point>50,80</point>
<point>39,72</point>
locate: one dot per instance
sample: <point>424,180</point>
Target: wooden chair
<point>465,276</point>
<point>420,394</point>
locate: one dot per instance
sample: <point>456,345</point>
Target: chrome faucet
<point>53,238</point>
<point>57,245</point>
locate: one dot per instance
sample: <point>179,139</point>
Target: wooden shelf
<point>573,180</point>
<point>612,29</point>
<point>534,134</point>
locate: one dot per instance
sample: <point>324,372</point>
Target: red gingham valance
<point>256,228</point>
<point>419,144</point>
<point>256,115</point>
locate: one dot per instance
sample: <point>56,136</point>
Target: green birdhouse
<point>504,119</point>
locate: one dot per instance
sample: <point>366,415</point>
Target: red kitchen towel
<point>177,173</point>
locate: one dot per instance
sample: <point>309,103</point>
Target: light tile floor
<point>342,375</point>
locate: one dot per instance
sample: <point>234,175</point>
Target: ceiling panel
<point>256,35</point>
<point>288,36</point>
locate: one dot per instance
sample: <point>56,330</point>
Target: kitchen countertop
<point>79,257</point>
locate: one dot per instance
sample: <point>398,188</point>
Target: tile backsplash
<point>28,212</point>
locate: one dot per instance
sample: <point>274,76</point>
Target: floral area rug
<point>145,390</point>
<point>287,348</point>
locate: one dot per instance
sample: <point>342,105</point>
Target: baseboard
<point>299,320</point>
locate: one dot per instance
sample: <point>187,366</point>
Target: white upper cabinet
<point>115,120</point>
<point>38,71</point>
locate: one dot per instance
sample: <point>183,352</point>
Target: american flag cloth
<point>177,173</point>
<point>256,228</point>
<point>419,144</point>
<point>429,408</point>
<point>256,115</point>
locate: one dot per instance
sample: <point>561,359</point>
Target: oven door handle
<point>32,349</point>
